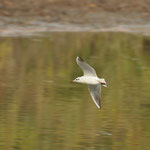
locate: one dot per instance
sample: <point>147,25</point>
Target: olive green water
<point>41,109</point>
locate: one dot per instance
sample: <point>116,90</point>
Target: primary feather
<point>95,93</point>
<point>86,68</point>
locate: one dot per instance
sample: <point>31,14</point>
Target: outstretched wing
<point>87,69</point>
<point>95,93</point>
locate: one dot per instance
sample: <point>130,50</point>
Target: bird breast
<point>89,80</point>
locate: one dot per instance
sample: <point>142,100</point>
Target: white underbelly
<point>90,80</point>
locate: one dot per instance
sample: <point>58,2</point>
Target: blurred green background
<point>40,109</point>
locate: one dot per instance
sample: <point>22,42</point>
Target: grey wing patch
<point>95,93</point>
<point>86,68</point>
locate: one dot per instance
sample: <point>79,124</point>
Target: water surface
<point>41,109</point>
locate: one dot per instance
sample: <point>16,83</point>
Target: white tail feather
<point>103,82</point>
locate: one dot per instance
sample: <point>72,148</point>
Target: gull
<point>90,78</point>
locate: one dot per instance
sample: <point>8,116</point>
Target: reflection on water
<point>40,109</point>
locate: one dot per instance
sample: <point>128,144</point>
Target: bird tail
<point>103,82</point>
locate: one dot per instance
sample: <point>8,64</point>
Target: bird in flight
<point>90,78</point>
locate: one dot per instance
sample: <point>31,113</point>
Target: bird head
<point>77,80</point>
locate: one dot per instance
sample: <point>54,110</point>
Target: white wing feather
<point>86,68</point>
<point>95,93</point>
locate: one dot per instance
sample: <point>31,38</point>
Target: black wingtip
<point>80,59</point>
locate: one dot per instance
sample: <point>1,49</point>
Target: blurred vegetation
<point>64,7</point>
<point>41,109</point>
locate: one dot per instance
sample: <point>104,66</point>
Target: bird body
<point>90,78</point>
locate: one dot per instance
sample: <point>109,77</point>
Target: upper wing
<point>95,93</point>
<point>87,69</point>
